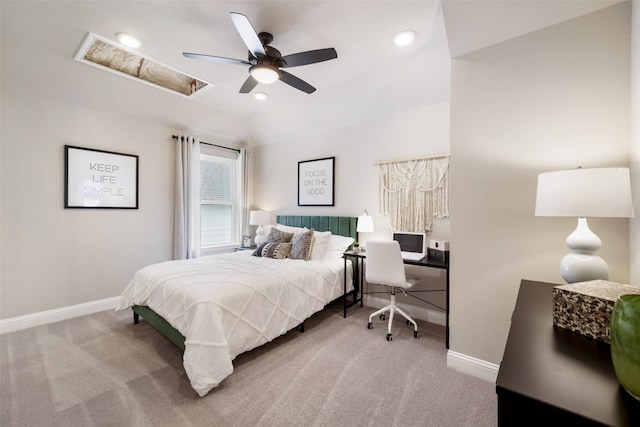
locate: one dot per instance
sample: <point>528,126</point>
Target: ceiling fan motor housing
<point>265,38</point>
<point>274,57</point>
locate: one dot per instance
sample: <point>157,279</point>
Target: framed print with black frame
<point>316,182</point>
<point>99,179</point>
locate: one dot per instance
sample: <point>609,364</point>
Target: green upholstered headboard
<point>340,225</point>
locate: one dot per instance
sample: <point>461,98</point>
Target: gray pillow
<point>301,245</point>
<point>278,236</point>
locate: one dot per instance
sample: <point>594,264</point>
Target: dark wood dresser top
<point>557,371</point>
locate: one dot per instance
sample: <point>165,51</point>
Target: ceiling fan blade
<point>219,59</point>
<point>248,34</point>
<point>296,82</point>
<point>248,85</point>
<point>310,57</point>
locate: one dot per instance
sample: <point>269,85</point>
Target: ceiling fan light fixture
<point>128,40</point>
<point>264,73</point>
<point>265,61</point>
<point>404,38</point>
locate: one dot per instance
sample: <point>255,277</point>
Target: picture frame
<point>316,182</point>
<point>99,179</point>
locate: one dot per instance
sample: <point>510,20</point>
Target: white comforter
<point>230,303</point>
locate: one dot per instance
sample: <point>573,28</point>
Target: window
<point>219,207</point>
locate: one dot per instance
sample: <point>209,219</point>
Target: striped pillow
<point>273,250</point>
<point>301,245</point>
<point>276,250</point>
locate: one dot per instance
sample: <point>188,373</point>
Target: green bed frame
<point>339,225</point>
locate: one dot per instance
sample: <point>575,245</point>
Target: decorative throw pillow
<point>276,250</point>
<point>278,236</point>
<point>258,251</point>
<point>275,236</point>
<point>301,244</point>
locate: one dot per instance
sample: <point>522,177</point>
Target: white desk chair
<point>386,267</point>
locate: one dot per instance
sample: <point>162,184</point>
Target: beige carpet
<point>102,370</point>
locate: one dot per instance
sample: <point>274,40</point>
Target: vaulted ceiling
<point>370,78</point>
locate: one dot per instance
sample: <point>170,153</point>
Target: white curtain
<point>243,161</point>
<point>413,192</point>
<point>186,236</point>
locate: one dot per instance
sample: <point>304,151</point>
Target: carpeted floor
<point>102,370</point>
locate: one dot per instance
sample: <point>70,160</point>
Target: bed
<point>217,307</point>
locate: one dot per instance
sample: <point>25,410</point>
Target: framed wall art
<point>100,179</point>
<point>316,182</point>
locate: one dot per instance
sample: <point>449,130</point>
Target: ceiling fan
<point>266,62</point>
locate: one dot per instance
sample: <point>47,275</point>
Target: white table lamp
<point>259,218</point>
<point>598,192</point>
<point>365,224</point>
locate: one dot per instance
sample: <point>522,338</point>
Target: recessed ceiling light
<point>128,40</point>
<point>404,38</point>
<point>261,96</point>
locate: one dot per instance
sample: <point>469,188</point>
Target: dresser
<point>551,374</point>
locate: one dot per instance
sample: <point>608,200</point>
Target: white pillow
<point>321,245</point>
<point>290,229</point>
<point>339,244</point>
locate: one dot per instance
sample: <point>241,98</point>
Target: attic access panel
<point>109,56</point>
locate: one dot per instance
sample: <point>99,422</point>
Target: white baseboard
<point>418,313</point>
<point>472,366</point>
<point>56,315</point>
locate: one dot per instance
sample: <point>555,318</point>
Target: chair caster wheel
<point>370,325</point>
<point>415,334</point>
<point>389,338</point>
<point>382,316</point>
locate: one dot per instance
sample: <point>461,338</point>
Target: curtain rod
<point>410,159</point>
<point>213,145</point>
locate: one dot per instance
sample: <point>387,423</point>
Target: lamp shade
<point>365,224</point>
<point>259,217</point>
<point>597,192</point>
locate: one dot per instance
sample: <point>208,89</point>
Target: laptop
<point>412,245</point>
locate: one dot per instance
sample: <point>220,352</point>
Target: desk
<point>358,279</point>
<point>550,375</point>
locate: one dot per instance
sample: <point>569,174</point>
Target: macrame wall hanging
<point>414,192</point>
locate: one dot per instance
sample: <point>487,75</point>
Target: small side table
<point>357,270</point>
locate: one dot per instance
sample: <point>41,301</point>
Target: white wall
<point>635,143</point>
<point>554,99</point>
<point>414,133</point>
<point>54,257</point>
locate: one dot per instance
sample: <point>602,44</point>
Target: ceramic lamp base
<point>260,237</point>
<point>581,264</point>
